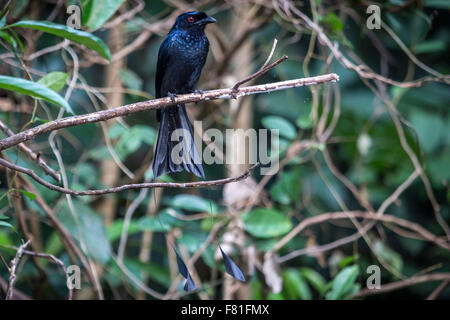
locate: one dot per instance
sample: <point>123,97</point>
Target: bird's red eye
<point>191,19</point>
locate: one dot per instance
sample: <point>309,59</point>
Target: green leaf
<point>29,195</point>
<point>266,223</point>
<point>397,2</point>
<point>53,244</point>
<point>288,187</point>
<point>295,285</point>
<point>192,240</point>
<point>315,279</point>
<point>130,79</point>
<point>5,36</point>
<point>4,238</point>
<point>33,89</point>
<point>18,41</point>
<point>275,296</point>
<point>87,227</point>
<point>440,4</point>
<point>438,166</point>
<point>54,80</point>
<point>5,9</point>
<point>430,46</point>
<point>156,224</point>
<point>333,22</point>
<point>430,129</point>
<point>115,275</point>
<point>6,224</point>
<point>78,36</point>
<point>343,283</point>
<point>208,257</point>
<point>193,203</point>
<point>287,130</point>
<point>97,12</point>
<point>157,273</point>
<point>114,230</point>
<point>256,289</point>
<point>304,122</point>
<point>392,258</point>
<point>347,260</point>
<point>131,139</point>
<point>149,176</point>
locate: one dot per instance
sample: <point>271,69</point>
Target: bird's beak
<point>206,20</point>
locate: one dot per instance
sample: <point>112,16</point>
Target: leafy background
<point>87,70</point>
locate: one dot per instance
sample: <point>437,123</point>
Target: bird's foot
<point>234,93</point>
<point>199,91</point>
<point>172,96</point>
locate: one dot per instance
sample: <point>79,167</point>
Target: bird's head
<point>192,20</point>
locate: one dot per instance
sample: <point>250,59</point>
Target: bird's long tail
<point>173,156</point>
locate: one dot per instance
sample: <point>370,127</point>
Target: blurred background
<point>364,162</point>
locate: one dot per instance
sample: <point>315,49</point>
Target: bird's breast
<point>191,46</point>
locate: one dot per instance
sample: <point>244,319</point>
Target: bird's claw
<point>199,91</point>
<point>234,93</point>
<point>172,96</point>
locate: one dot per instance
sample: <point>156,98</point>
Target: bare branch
<point>403,283</point>
<point>13,270</point>
<point>197,184</point>
<point>258,73</point>
<point>126,110</point>
<point>437,292</point>
<point>32,155</point>
<point>363,71</point>
<point>52,258</point>
<point>357,214</point>
<point>66,238</point>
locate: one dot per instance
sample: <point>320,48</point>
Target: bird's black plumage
<point>181,58</point>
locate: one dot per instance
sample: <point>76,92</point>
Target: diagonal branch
<point>32,155</point>
<point>50,257</point>
<point>197,184</point>
<point>357,214</point>
<point>55,260</point>
<point>13,270</point>
<point>228,93</point>
<point>403,283</point>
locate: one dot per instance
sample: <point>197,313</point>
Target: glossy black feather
<point>181,58</point>
<point>190,284</point>
<point>231,268</point>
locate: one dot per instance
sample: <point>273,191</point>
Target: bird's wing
<point>163,61</point>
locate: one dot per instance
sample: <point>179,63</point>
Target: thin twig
<point>264,68</point>
<point>126,110</point>
<point>437,292</point>
<point>197,184</point>
<point>13,270</point>
<point>257,74</point>
<point>274,46</point>
<point>32,155</point>
<point>57,261</point>
<point>403,283</point>
<point>126,223</point>
<point>363,71</point>
<point>425,234</point>
<point>64,235</point>
<point>125,16</point>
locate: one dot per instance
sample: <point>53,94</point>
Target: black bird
<point>181,58</point>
